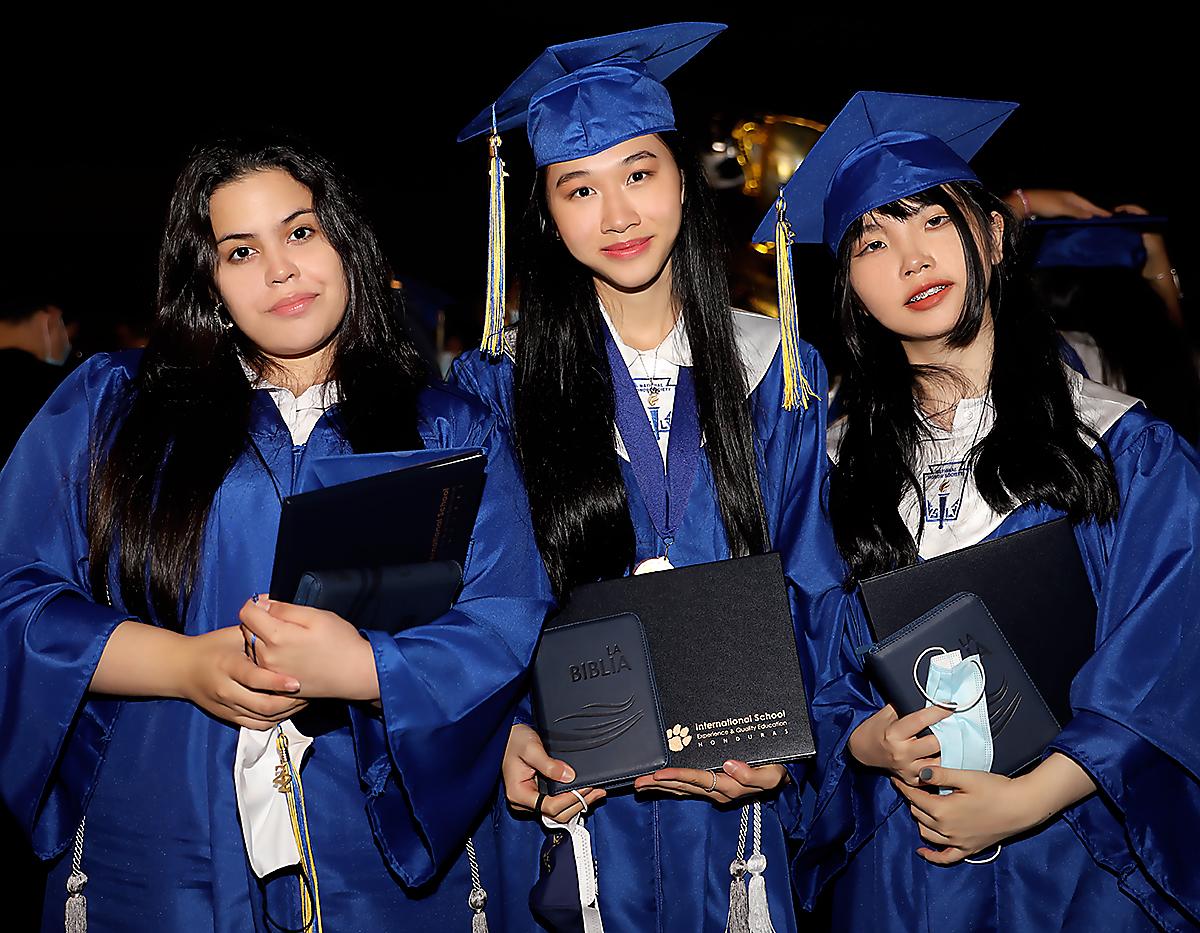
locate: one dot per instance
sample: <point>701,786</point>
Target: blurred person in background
<point>34,345</point>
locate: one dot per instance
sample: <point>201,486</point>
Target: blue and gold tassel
<point>796,388</point>
<point>493,315</point>
<point>288,781</point>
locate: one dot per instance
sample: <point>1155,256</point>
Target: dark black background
<point>98,126</point>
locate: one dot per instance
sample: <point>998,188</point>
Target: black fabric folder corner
<point>1033,583</point>
<point>723,652</point>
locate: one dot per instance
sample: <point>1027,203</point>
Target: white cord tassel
<point>760,910</point>
<point>75,920</point>
<point>477,899</point>
<point>739,906</point>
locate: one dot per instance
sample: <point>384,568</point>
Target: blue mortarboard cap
<point>1093,242</point>
<point>580,98</point>
<point>880,148</point>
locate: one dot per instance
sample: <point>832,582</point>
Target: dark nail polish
<point>926,774</point>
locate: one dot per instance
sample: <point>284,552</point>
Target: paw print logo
<point>678,737</point>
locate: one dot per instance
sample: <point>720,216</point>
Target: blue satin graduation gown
<point>1123,858</point>
<point>663,864</point>
<point>391,797</point>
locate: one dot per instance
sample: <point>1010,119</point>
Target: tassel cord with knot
<point>76,909</point>
<point>796,388</point>
<point>477,900</point>
<point>739,906</point>
<point>760,910</point>
<point>493,315</point>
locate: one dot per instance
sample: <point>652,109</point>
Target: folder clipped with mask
<point>1031,596</point>
<point>957,658</point>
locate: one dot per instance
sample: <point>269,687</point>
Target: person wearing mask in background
<point>34,345</point>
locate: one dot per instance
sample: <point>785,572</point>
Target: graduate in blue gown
<point>140,511</point>
<point>954,374</point>
<point>628,373</point>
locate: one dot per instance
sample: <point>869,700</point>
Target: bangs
<point>901,209</point>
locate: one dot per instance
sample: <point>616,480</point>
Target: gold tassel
<point>287,780</point>
<point>493,316</point>
<point>796,389</point>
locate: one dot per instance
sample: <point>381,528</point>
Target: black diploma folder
<point>1021,724</point>
<point>723,662</point>
<point>384,599</point>
<point>1034,584</point>
<point>419,513</point>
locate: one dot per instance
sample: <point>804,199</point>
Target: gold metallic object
<point>770,150</point>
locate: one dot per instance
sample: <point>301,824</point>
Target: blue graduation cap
<point>880,148</point>
<point>1092,242</point>
<point>578,99</point>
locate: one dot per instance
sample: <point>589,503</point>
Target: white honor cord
<point>759,914</point>
<point>585,869</point>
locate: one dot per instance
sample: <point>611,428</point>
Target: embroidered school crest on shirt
<point>658,396</point>
<point>943,485</point>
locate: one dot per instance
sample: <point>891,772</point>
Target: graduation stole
<point>665,490</point>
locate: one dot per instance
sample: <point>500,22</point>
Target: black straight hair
<point>577,498</point>
<point>185,421</point>
<point>1035,451</point>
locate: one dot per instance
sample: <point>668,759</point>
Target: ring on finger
<point>582,802</point>
<point>253,648</point>
<point>714,783</point>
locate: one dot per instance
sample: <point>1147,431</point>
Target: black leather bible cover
<point>1021,722</point>
<point>1033,583</point>
<point>385,599</point>
<point>723,650</point>
<point>412,515</point>
<point>595,703</point>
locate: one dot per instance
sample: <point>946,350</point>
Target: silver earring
<point>225,322</point>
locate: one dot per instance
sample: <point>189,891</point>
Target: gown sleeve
<point>52,632</point>
<point>449,689</point>
<point>488,381</point>
<point>838,808</point>
<point>1135,728</point>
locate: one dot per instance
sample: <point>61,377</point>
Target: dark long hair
<point>1035,451</point>
<point>576,495</point>
<point>185,421</point>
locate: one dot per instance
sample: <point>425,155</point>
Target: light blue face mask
<point>958,684</point>
<point>63,356</point>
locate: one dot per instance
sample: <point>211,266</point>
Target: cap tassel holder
<point>760,910</point>
<point>796,388</point>
<point>493,316</point>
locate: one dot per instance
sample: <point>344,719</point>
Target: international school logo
<point>943,485</point>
